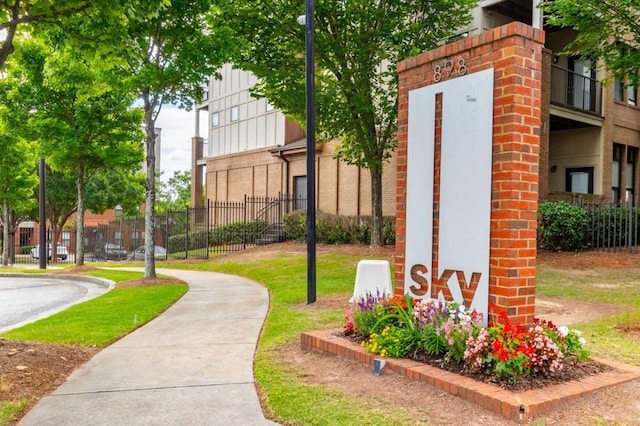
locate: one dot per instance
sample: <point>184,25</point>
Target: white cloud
<point>178,127</point>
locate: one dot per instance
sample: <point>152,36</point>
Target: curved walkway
<point>193,365</point>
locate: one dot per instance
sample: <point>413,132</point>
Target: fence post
<point>244,224</point>
<point>186,234</point>
<point>629,227</point>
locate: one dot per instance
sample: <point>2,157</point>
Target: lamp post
<point>42,240</point>
<point>308,21</point>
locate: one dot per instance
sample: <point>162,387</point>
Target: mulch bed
<point>569,372</point>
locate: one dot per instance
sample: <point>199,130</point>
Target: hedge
<point>233,233</point>
<point>337,229</point>
<point>562,227</point>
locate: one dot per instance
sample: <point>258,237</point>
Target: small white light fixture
<point>302,20</point>
<point>378,365</point>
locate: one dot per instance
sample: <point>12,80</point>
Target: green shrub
<point>295,225</point>
<point>25,249</point>
<point>562,227</point>
<point>233,233</point>
<point>337,229</point>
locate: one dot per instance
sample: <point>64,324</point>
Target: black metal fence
<point>613,227</point>
<point>197,233</point>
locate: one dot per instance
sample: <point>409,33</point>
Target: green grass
<point>102,320</point>
<point>8,409</point>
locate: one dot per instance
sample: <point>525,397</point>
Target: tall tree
<point>17,181</point>
<point>82,117</point>
<point>175,193</point>
<point>169,54</point>
<point>607,32</point>
<point>358,43</point>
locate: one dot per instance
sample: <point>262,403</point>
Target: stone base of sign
<point>518,406</point>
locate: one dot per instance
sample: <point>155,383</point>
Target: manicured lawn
<point>288,396</point>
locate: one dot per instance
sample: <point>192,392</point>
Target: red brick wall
<point>515,53</point>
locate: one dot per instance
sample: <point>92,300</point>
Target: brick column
<point>196,171</point>
<point>515,53</point>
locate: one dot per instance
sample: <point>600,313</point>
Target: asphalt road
<point>23,300</point>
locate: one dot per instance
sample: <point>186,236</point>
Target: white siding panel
<point>234,137</point>
<point>261,128</point>
<point>270,135</point>
<point>279,136</point>
<point>242,136</point>
<point>252,134</point>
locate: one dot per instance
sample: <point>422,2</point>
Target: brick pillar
<point>514,51</point>
<point>196,171</point>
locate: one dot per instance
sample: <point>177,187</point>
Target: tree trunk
<point>149,212</point>
<point>376,207</point>
<point>5,233</point>
<point>80,222</point>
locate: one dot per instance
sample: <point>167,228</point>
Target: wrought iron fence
<point>218,227</point>
<point>613,227</point>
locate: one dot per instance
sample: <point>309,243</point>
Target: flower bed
<point>450,337</point>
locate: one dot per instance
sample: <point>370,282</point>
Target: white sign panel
<point>465,189</point>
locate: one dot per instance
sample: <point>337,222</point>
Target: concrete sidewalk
<point>193,365</point>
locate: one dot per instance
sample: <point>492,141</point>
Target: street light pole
<point>311,151</point>
<point>42,237</point>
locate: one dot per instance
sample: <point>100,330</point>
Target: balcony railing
<point>575,90</point>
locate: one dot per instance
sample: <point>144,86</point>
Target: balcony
<point>575,91</point>
<point>202,150</point>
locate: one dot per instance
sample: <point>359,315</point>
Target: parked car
<point>111,251</point>
<point>159,253</point>
<point>62,254</point>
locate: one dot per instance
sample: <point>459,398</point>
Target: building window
<point>615,173</point>
<point>632,155</point>
<point>234,113</point>
<point>618,90</point>
<point>135,238</point>
<point>580,180</point>
<point>117,238</point>
<point>215,120</point>
<point>632,95</point>
<point>66,238</point>
<point>26,234</point>
<point>300,192</point>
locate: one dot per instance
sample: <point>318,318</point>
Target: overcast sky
<point>178,127</point>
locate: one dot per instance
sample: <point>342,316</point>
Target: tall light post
<point>309,23</point>
<point>44,249</point>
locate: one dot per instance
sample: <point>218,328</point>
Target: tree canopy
<point>81,117</point>
<point>357,46</point>
<point>608,31</point>
<point>175,193</point>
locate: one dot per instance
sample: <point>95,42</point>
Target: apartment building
<point>591,132</point>
<point>590,135</point>
<point>253,149</point>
